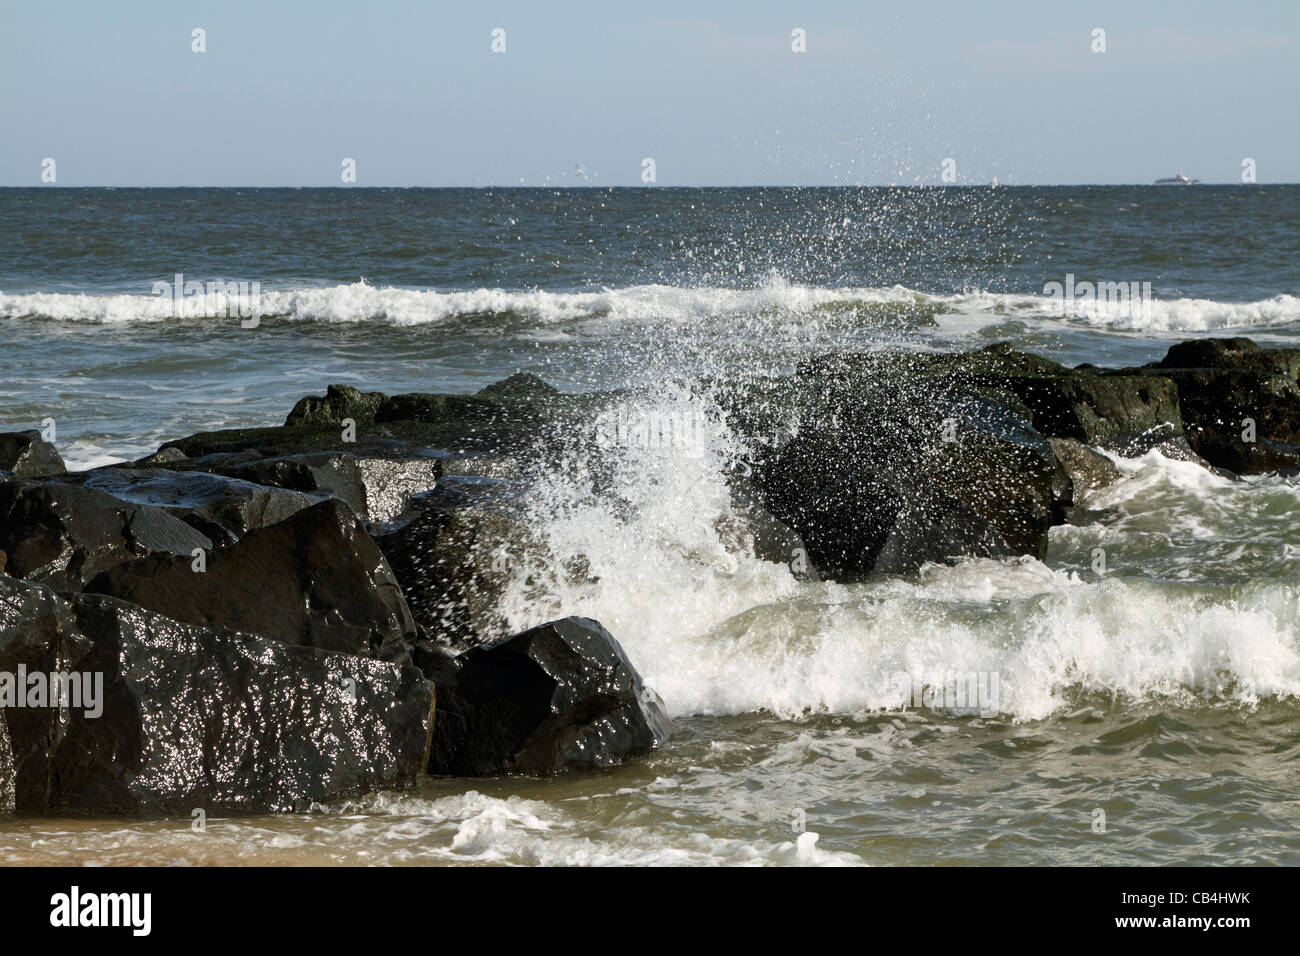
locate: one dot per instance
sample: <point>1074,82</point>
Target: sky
<point>585,92</point>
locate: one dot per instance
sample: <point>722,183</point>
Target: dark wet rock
<point>340,402</point>
<point>164,456</point>
<point>398,445</point>
<point>502,406</point>
<point>484,466</point>
<point>377,489</point>
<point>468,543</point>
<point>205,501</point>
<point>451,425</point>
<point>333,473</point>
<point>7,776</point>
<point>28,455</point>
<point>1089,405</point>
<point>192,718</point>
<point>63,534</point>
<point>522,386</point>
<point>750,528</point>
<point>883,475</point>
<point>559,697</point>
<point>316,579</point>
<point>1231,354</point>
<point>1225,385</point>
<point>1088,468</point>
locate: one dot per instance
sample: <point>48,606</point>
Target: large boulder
<point>185,718</point>
<point>28,455</point>
<point>1087,404</point>
<point>469,541</point>
<point>63,535</point>
<point>316,579</point>
<point>1225,385</point>
<point>221,507</point>
<point>886,472</point>
<point>559,697</point>
<point>376,488</point>
<point>339,402</point>
<point>1088,468</point>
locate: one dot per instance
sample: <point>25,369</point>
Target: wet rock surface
<point>63,534</point>
<point>28,455</point>
<point>1240,402</point>
<point>556,698</point>
<point>1089,470</point>
<point>882,478</point>
<point>455,559</point>
<point>209,502</point>
<point>316,579</point>
<point>196,718</point>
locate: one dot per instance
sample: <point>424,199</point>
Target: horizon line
<point>648,187</point>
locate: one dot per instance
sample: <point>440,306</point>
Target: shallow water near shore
<point>1162,692</point>
<point>1209,786</point>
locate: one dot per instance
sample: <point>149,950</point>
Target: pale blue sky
<point>711,91</point>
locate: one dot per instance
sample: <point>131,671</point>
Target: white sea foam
<point>718,631</point>
<point>476,828</point>
<point>361,302</point>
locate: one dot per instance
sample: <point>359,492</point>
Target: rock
<point>559,697</point>
<point>333,473</point>
<point>163,456</point>
<point>522,416</point>
<point>1086,404</point>
<point>390,485</point>
<point>483,466</point>
<point>340,402</point>
<point>750,528</point>
<point>1089,470</point>
<point>191,718</point>
<point>1230,354</point>
<point>456,558</point>
<point>231,504</point>
<point>1224,385</point>
<point>28,455</point>
<point>316,579</point>
<point>376,489</point>
<point>522,386</point>
<point>62,535</point>
<point>883,475</point>
<point>7,777</point>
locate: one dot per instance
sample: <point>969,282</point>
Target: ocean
<point>1147,714</point>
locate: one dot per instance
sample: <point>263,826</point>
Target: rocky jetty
<point>272,612</point>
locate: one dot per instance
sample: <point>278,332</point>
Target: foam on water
<point>394,829</point>
<point>718,631</point>
<point>361,302</point>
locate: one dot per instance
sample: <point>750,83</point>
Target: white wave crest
<point>361,302</point>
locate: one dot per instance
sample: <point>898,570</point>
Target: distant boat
<point>994,184</point>
<point>1177,180</point>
